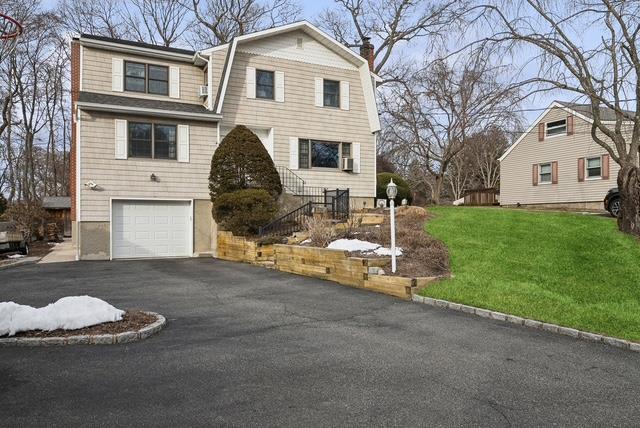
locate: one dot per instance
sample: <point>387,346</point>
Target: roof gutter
<point>112,108</point>
<point>117,47</point>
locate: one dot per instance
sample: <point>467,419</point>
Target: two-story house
<point>147,119</point>
<point>556,163</point>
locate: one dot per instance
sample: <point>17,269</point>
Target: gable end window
<point>265,83</point>
<point>331,93</point>
<point>545,172</point>
<point>594,167</point>
<point>559,127</point>
<point>146,78</point>
<point>152,140</point>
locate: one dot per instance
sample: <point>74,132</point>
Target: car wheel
<point>614,207</point>
<point>24,250</point>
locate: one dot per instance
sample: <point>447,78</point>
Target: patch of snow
<point>458,202</point>
<point>377,225</point>
<point>68,313</point>
<point>382,251</point>
<point>15,256</point>
<point>306,241</point>
<point>353,245</point>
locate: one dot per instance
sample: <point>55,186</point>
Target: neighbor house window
<point>594,167</point>
<point>147,140</point>
<point>558,127</point>
<point>331,93</point>
<point>265,84</point>
<point>148,78</point>
<point>545,173</point>
<point>321,154</point>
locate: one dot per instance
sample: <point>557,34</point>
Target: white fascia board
<point>101,44</point>
<point>226,73</point>
<point>214,49</point>
<point>149,111</point>
<point>369,97</point>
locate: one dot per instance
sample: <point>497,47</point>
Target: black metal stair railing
<point>291,181</point>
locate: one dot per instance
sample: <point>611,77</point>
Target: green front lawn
<point>569,269</point>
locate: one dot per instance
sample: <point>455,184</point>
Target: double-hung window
<point>545,172</point>
<point>321,154</point>
<point>559,127</point>
<point>265,84</point>
<point>594,167</point>
<point>152,140</point>
<point>331,93</point>
<point>146,78</point>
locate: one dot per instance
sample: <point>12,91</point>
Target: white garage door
<point>150,229</point>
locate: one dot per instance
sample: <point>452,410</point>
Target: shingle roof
<point>138,44</point>
<point>117,100</point>
<point>56,202</point>
<point>585,109</point>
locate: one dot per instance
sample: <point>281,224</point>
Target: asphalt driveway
<point>249,346</point>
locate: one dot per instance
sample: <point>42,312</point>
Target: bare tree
<point>221,20</point>
<point>605,73</point>
<point>391,23</point>
<point>99,17</point>
<point>484,148</point>
<point>159,22</point>
<point>431,115</point>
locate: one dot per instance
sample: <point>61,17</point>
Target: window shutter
<point>554,172</point>
<point>121,139</point>
<point>279,86</point>
<point>344,95</point>
<point>580,169</point>
<point>174,82</point>
<point>569,125</point>
<point>319,92</point>
<point>183,143</point>
<point>293,153</point>
<point>605,167</point>
<point>355,147</point>
<point>534,175</point>
<point>541,132</point>
<point>251,82</point>
<point>117,74</point>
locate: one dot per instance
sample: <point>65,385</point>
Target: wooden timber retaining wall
<point>322,263</point>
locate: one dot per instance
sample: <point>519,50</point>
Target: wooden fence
<point>482,197</point>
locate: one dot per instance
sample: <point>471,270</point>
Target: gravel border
<point>512,319</point>
<point>96,339</point>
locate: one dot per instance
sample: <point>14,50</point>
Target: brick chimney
<point>366,51</point>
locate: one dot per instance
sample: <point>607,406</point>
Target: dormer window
<point>559,127</point>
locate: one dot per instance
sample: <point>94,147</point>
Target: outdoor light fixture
<point>153,177</point>
<point>392,192</point>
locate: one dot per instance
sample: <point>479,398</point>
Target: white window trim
<point>540,182</point>
<point>586,169</point>
<point>546,129</point>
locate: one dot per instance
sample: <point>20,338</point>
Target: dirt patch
<point>132,320</point>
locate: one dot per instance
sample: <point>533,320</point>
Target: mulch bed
<point>132,320</point>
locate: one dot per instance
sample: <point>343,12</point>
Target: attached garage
<point>151,228</point>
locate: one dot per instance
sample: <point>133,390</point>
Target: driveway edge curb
<point>97,339</point>
<point>538,325</point>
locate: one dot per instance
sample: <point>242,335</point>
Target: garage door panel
<point>150,229</point>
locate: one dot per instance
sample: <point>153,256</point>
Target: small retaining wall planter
<point>240,249</point>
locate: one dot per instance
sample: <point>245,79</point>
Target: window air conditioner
<point>347,164</point>
<point>203,91</point>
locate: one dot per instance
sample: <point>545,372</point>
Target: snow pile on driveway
<point>68,313</point>
<point>362,246</point>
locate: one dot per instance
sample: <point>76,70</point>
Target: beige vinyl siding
<point>131,177</point>
<point>219,58</point>
<point>96,75</point>
<point>515,170</point>
<point>299,117</point>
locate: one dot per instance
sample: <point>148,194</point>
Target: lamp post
<point>392,191</point>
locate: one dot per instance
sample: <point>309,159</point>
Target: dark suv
<point>612,202</point>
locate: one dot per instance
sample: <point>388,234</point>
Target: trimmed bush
<point>404,191</point>
<point>242,162</point>
<point>243,212</point>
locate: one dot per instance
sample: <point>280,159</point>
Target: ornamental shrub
<point>242,162</point>
<point>404,191</point>
<point>243,212</point>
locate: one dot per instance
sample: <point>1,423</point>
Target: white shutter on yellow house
<point>121,139</point>
<point>344,95</point>
<point>251,82</point>
<point>356,157</point>
<point>183,143</point>
<point>117,73</point>
<point>279,86</point>
<point>174,82</point>
<point>319,91</point>
<point>293,153</point>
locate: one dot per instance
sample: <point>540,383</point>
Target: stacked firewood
<point>52,232</point>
